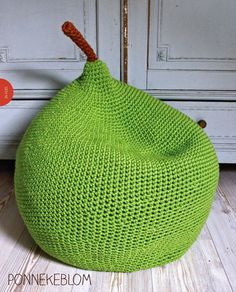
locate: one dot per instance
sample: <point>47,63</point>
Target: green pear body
<point>110,178</point>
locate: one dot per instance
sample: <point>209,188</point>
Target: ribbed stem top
<point>96,72</point>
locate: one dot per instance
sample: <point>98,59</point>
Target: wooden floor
<point>210,265</point>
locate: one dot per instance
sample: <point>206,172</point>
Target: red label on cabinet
<point>6,92</point>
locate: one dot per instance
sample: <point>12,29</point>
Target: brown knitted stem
<point>71,31</point>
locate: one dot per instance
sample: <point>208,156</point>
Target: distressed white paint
<point>182,45</point>
<point>108,34</point>
<point>34,52</point>
<point>137,42</point>
<point>190,36</point>
<point>192,45</point>
<point>191,80</point>
<point>197,95</point>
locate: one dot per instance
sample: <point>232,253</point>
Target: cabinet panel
<point>187,44</point>
<point>220,124</point>
<point>15,117</point>
<point>37,35</point>
<point>192,45</point>
<point>190,34</point>
<point>34,52</point>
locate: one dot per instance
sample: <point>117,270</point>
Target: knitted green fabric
<point>109,178</point>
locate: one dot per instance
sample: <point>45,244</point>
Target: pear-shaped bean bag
<point>109,178</point>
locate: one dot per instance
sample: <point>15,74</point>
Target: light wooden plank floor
<point>210,264</point>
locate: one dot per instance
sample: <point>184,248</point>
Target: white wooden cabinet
<point>184,52</point>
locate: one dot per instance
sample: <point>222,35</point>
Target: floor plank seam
<point>209,231</point>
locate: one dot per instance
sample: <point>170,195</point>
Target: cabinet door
<point>34,52</point>
<point>183,44</point>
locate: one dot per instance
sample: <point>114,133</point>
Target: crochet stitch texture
<point>110,178</point>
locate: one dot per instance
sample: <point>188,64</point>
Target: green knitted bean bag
<point>109,178</point>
